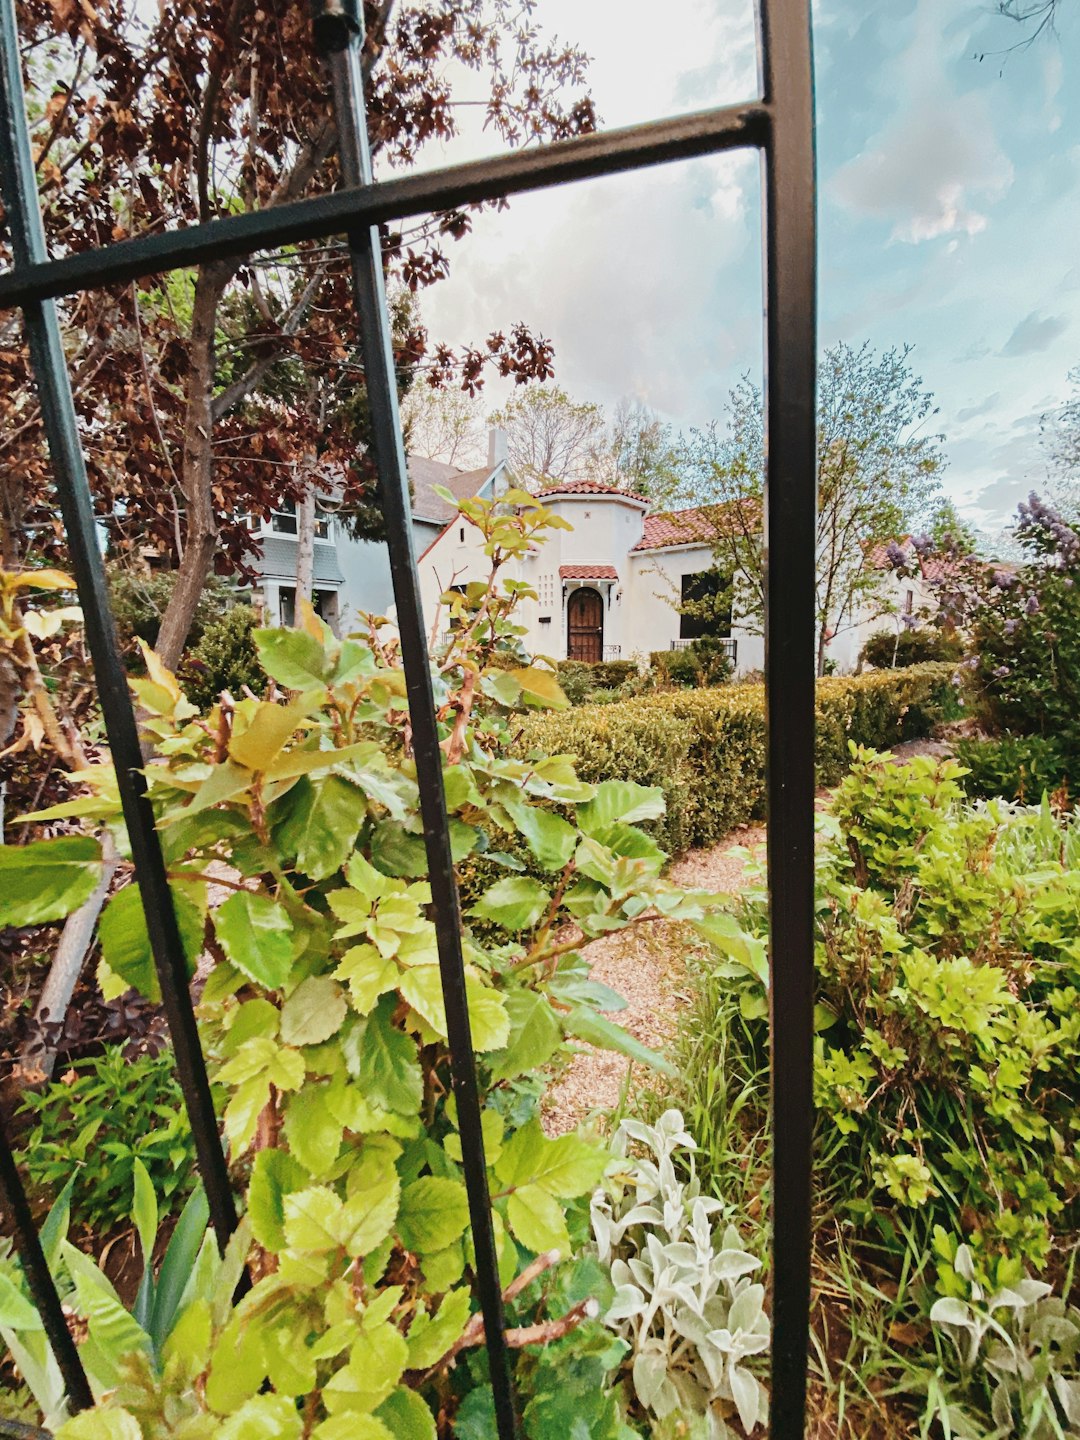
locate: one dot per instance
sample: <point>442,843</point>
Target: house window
<point>909,601</point>
<point>705,605</point>
<point>283,520</point>
<point>461,534</point>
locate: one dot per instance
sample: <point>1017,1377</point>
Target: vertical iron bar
<point>790,556</point>
<point>36,1270</point>
<point>69,468</point>
<point>339,34</point>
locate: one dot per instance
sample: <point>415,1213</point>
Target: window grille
<point>780,125</point>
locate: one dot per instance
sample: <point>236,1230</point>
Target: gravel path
<point>645,967</point>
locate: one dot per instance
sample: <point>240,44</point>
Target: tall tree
<point>640,453</point>
<point>1062,435</point>
<point>444,424</point>
<point>877,476</point>
<point>549,436</point>
<point>187,386</point>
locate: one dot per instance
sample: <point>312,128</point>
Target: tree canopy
<point>204,395</point>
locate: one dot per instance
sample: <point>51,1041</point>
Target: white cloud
<point>936,163</point>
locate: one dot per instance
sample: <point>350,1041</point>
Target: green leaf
<point>274,1175</point>
<point>588,1025</point>
<point>125,942</point>
<point>537,1220</point>
<point>268,729</point>
<point>256,935</point>
<point>351,1426</point>
<point>488,1020</point>
<point>263,1417</point>
<point>385,1062</point>
<point>535,1035</point>
<point>406,1415</point>
<point>396,852</point>
<point>431,1336</point>
<point>113,1330</point>
<point>313,1012</point>
<point>293,658</point>
<point>540,687</point>
<point>475,1420</point>
<point>313,1132</point>
<point>321,825</point>
<point>564,1167</point>
<point>111,1424</point>
<point>434,1213</point>
<point>16,1312</point>
<point>421,986</point>
<point>622,802</point>
<point>367,974</point>
<point>515,903</point>
<point>378,1361</point>
<point>178,1264</point>
<point>48,879</point>
<point>550,838</point>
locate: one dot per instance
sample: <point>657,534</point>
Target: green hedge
<point>706,748</point>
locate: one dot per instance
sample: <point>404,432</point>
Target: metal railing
<point>729,646</point>
<point>780,125</point>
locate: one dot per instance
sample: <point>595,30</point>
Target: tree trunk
<point>305,545</point>
<point>823,645</point>
<point>197,468</point>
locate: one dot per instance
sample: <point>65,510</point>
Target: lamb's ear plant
<point>684,1301</point>
<point>1015,1359</point>
<point>324,1025</point>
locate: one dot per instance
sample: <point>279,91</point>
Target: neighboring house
<point>352,577</point>
<point>895,602</point>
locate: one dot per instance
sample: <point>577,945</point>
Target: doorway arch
<point>585,625</point>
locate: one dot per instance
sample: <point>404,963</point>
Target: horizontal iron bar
<point>705,132</point>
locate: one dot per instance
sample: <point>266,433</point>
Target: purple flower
<point>1010,626</point>
<point>922,544</point>
<point>1004,579</point>
<point>1001,672</point>
<point>895,554</point>
<point>1032,606</point>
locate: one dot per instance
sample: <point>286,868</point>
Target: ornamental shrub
<point>704,661</point>
<point>1015,767</point>
<point>325,1028</point>
<point>948,979</point>
<point>889,650</point>
<point>706,748</point>
<point>225,658</point>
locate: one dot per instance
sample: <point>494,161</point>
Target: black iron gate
<point>780,126</point>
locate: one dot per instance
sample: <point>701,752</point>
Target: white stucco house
<point>608,588</point>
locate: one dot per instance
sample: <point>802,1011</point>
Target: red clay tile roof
<point>588,572</point>
<point>697,526</point>
<point>591,487</point>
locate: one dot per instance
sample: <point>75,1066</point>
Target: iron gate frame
<point>780,126</point>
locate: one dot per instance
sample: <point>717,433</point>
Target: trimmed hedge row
<point>706,748</point>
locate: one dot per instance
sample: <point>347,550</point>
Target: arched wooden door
<point>585,626</point>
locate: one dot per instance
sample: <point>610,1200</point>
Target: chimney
<point>496,447</point>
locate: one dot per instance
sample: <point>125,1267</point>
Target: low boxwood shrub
<point>704,662</point>
<point>706,748</point>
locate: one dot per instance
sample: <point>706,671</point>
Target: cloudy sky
<point>950,221</point>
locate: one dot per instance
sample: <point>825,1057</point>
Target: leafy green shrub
<point>706,748</point>
<point>325,1025</point>
<point>1016,767</point>
<point>684,1300</point>
<point>93,1127</point>
<point>225,658</point>
<point>948,976</point>
<point>138,602</point>
<point>705,661</point>
<point>583,681</point>
<point>920,646</point>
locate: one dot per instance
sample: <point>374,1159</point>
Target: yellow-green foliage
<point>706,748</point>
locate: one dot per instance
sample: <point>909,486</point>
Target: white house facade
<point>610,587</point>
